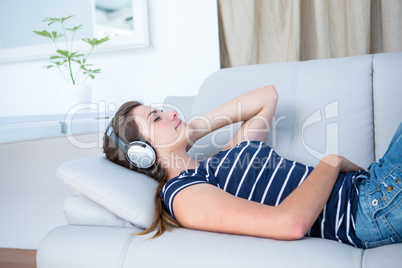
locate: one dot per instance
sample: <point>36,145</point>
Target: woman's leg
<point>379,214</point>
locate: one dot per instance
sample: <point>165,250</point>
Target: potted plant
<point>72,65</point>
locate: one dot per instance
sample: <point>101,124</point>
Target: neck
<point>176,162</point>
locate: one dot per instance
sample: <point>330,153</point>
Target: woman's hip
<point>379,212</point>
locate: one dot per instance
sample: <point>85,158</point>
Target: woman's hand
<point>255,108</point>
<point>348,166</point>
<point>344,164</point>
<point>195,130</point>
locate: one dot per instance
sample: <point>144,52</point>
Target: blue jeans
<point>379,212</point>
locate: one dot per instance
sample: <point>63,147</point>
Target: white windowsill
<point>27,128</point>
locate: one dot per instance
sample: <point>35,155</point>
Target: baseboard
<point>17,258</point>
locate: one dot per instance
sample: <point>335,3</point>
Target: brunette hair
<point>125,127</point>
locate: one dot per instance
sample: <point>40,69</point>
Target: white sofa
<point>350,106</point>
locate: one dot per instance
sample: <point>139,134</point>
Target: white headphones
<point>139,153</point>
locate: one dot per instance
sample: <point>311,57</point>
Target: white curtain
<point>262,31</point>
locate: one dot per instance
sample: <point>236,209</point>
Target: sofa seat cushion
<point>85,246</point>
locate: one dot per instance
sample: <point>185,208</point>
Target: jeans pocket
<point>386,195</point>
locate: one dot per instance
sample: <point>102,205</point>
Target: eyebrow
<point>152,112</point>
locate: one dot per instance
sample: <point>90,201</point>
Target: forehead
<point>142,111</point>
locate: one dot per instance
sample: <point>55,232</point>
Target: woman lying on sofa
<point>247,188</point>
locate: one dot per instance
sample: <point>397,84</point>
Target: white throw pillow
<point>128,194</point>
<point>80,210</point>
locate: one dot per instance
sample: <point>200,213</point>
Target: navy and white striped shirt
<point>254,171</point>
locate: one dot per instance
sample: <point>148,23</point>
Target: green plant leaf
<point>56,35</point>
<point>58,63</point>
<point>54,20</point>
<point>103,40</point>
<point>64,19</point>
<point>66,56</point>
<point>56,57</point>
<point>75,55</point>
<point>88,40</point>
<point>95,41</point>
<point>76,28</point>
<point>50,23</point>
<point>65,53</point>
<point>43,33</point>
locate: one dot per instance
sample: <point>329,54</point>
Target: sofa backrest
<point>387,97</point>
<point>325,106</point>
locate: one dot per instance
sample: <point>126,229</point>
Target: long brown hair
<point>125,127</point>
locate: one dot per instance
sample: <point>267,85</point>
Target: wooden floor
<point>17,258</point>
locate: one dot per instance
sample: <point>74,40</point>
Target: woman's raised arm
<point>256,108</point>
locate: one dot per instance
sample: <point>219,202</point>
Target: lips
<point>178,124</point>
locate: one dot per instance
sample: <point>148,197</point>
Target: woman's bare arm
<point>208,208</point>
<point>256,108</point>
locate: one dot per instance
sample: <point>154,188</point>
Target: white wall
<point>31,196</point>
<point>16,31</point>
<point>184,51</point>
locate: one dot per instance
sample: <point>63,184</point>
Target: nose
<point>172,115</point>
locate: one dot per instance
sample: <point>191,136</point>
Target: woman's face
<point>161,129</point>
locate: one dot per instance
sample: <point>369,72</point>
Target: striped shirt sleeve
<point>175,185</point>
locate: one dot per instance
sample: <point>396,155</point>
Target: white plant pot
<point>77,99</point>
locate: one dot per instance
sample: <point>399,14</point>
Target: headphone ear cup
<point>141,154</point>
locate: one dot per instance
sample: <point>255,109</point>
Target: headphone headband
<point>138,152</point>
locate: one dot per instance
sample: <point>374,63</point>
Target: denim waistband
<point>379,212</point>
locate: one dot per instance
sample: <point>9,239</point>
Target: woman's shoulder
<point>184,179</point>
<point>175,185</point>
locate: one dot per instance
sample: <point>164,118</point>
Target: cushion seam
<point>294,86</point>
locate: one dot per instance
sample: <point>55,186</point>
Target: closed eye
<point>157,118</point>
